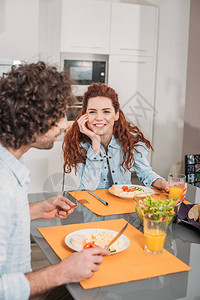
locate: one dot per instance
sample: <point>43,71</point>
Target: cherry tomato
<point>124,188</point>
<point>90,245</point>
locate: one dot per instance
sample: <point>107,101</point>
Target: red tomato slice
<point>124,188</point>
<point>90,245</point>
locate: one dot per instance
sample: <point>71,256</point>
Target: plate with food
<point>94,237</point>
<point>129,191</point>
<point>190,214</point>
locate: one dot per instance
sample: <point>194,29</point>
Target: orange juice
<point>176,191</point>
<point>155,240</point>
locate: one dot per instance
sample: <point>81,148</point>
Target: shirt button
<point>113,171</point>
<point>95,158</point>
<point>101,160</point>
<point>115,182</point>
<point>104,179</point>
<point>104,156</point>
<point>105,168</point>
<point>110,157</point>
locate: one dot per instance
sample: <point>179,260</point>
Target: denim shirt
<point>101,171</point>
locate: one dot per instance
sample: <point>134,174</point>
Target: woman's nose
<point>99,116</point>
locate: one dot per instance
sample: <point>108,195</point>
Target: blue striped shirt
<point>14,228</point>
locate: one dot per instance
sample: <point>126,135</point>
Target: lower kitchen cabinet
<point>46,167</point>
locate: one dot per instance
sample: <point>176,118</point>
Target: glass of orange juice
<point>176,184</point>
<point>155,228</point>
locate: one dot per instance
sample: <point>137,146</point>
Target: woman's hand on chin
<point>82,123</point>
<point>96,139</point>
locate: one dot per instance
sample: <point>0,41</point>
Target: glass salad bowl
<point>158,204</point>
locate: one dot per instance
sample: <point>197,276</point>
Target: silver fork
<point>73,199</point>
<point>81,201</point>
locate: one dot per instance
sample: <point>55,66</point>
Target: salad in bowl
<point>158,204</point>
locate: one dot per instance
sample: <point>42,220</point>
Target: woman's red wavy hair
<point>127,134</point>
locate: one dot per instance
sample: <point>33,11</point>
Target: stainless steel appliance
<point>84,69</point>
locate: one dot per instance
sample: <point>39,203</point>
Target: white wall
<point>191,137</point>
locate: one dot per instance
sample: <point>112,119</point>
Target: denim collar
<point>114,143</point>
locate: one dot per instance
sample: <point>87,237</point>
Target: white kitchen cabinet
<point>133,78</point>
<point>46,167</point>
<point>19,30</point>
<point>85,26</point>
<point>133,29</point>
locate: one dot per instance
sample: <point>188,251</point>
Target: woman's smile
<point>99,125</point>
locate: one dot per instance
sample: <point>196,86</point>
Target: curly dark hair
<point>126,133</point>
<point>33,98</point>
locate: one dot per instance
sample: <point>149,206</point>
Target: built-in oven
<point>84,70</point>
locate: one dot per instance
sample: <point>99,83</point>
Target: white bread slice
<point>194,212</point>
<point>77,240</point>
<point>115,190</point>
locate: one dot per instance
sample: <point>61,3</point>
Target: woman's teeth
<point>99,125</point>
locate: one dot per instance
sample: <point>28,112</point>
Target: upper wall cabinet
<point>85,26</point>
<point>133,29</point>
<point>19,30</point>
<point>133,78</point>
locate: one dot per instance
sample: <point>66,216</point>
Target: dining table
<point>182,240</point>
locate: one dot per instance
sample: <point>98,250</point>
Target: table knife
<point>102,201</point>
<point>117,236</point>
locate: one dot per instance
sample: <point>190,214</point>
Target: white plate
<point>126,241</point>
<point>147,190</point>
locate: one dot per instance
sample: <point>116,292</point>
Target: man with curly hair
<point>33,103</point>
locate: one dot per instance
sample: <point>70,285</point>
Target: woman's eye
<point>91,112</point>
<point>106,111</point>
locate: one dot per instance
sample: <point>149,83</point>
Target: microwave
<point>84,70</point>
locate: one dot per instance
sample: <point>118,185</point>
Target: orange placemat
<point>116,205</point>
<point>129,265</point>
<point>187,202</point>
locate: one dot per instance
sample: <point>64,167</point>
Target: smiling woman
<point>104,146</point>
